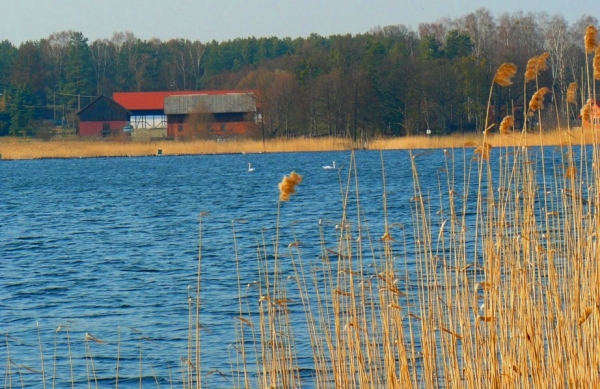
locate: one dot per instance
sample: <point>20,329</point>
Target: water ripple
<point>104,245</point>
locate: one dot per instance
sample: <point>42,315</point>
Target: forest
<point>389,81</point>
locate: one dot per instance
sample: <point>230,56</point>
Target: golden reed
<point>596,64</point>
<point>537,101</point>
<point>572,93</point>
<point>586,111</point>
<point>287,186</point>
<point>535,65</point>
<point>591,39</point>
<point>505,73</point>
<point>484,150</point>
<point>506,125</point>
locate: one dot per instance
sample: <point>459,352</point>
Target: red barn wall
<point>594,121</point>
<point>217,130</point>
<point>94,129</point>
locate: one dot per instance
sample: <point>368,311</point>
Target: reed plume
<point>503,77</point>
<point>505,73</point>
<point>484,150</point>
<point>535,65</point>
<point>537,101</point>
<point>586,111</point>
<point>287,186</point>
<point>596,64</point>
<point>591,39</point>
<point>571,172</point>
<point>572,93</point>
<point>506,125</point>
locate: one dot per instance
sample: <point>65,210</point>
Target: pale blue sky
<point>205,20</point>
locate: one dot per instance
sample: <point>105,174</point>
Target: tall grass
<point>18,148</point>
<point>508,298</point>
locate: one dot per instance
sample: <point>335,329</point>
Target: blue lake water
<point>109,247</point>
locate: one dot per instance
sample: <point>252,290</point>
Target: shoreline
<point>27,149</point>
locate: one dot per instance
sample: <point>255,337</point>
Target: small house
<point>103,117</point>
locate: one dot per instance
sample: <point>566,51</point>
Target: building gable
<point>103,109</point>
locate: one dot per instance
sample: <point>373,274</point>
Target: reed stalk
<point>37,326</point>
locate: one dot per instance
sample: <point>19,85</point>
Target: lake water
<point>109,247</point>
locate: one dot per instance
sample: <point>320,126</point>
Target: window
<point>105,130</point>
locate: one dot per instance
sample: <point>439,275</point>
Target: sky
<point>207,20</point>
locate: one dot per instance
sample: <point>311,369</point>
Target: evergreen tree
<point>21,111</point>
<point>458,45</point>
<point>79,70</point>
<point>8,54</point>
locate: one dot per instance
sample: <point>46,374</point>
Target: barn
<point>223,115</point>
<point>103,117</point>
<point>148,108</point>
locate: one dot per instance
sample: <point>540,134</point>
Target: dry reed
<point>535,65</point>
<point>596,64</point>
<point>586,111</point>
<point>572,93</point>
<point>506,125</point>
<point>18,148</point>
<point>504,74</point>
<point>484,150</point>
<point>537,101</point>
<point>550,137</point>
<point>590,39</point>
<point>287,186</point>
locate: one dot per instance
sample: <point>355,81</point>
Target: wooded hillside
<point>389,81</point>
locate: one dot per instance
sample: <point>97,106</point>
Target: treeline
<point>389,81</point>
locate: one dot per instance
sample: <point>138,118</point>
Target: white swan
<point>250,168</point>
<point>327,167</point>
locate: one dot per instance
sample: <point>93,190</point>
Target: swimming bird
<point>327,167</point>
<point>250,168</point>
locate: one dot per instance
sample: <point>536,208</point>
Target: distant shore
<point>19,148</point>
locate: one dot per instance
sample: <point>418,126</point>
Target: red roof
<point>155,101</point>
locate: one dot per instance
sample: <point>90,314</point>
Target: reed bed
<point>17,148</point>
<point>507,297</point>
<point>518,138</point>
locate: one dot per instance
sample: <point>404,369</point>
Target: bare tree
<point>55,49</point>
<point>196,51</point>
<point>481,28</point>
<point>101,54</point>
<point>181,60</point>
<point>556,42</point>
<point>438,30</point>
